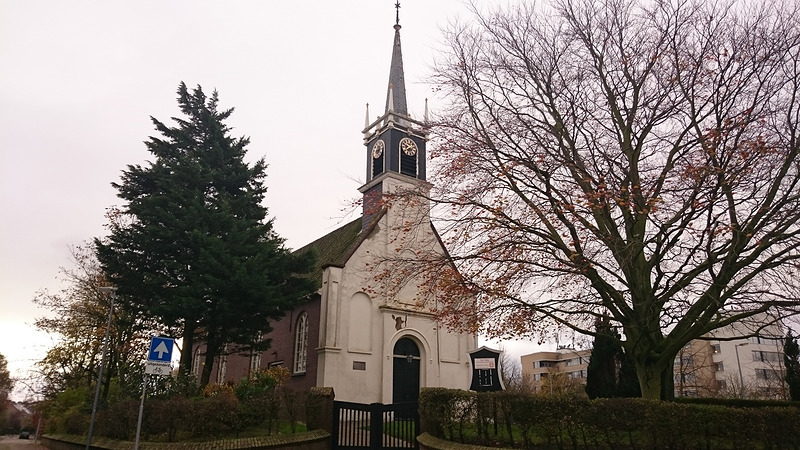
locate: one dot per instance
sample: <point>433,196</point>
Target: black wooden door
<point>406,365</point>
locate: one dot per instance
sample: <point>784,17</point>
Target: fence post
<point>376,425</point>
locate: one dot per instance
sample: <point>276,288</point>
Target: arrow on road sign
<point>160,349</point>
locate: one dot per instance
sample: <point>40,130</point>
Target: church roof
<point>335,248</point>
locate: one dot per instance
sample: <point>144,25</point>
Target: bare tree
<point>635,159</point>
<point>558,382</point>
<point>6,382</point>
<point>511,372</point>
<point>78,320</point>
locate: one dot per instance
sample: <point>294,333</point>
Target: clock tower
<point>395,143</point>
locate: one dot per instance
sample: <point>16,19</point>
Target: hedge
<point>538,421</point>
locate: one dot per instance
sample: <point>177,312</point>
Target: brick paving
<point>13,442</point>
<point>223,444</point>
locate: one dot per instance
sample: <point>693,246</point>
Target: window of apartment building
<point>763,339</point>
<point>768,357</point>
<point>301,344</point>
<point>577,361</point>
<point>685,378</point>
<point>722,384</point>
<point>768,374</point>
<point>540,376</point>
<point>718,367</point>
<point>547,364</point>
<point>576,374</point>
<point>716,349</point>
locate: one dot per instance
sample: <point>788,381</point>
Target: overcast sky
<point>80,79</point>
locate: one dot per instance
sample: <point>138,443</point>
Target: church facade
<point>363,333</point>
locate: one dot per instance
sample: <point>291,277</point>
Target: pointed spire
<point>366,118</point>
<point>396,94</point>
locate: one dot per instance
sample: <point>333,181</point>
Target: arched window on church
<point>197,362</point>
<point>301,344</point>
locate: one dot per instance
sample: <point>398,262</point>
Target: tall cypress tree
<point>610,372</point>
<point>192,246</point>
<point>791,361</point>
<point>601,373</point>
<point>627,381</point>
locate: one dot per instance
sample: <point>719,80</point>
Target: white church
<point>359,334</point>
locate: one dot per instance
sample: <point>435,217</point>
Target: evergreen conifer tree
<point>601,373</point>
<point>192,247</point>
<point>611,372</point>
<point>791,361</point>
<point>627,382</point>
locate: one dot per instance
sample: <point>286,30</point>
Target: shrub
<point>528,421</point>
<point>118,421</point>
<point>217,412</point>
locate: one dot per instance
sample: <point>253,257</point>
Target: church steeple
<point>396,92</point>
<point>395,142</point>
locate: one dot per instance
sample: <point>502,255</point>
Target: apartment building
<point>564,368</point>
<point>726,363</point>
<point>742,360</point>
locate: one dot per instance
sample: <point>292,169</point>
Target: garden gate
<point>375,426</point>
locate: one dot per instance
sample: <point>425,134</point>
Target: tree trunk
<point>656,380</point>
<point>668,383</point>
<point>208,365</point>
<point>212,350</point>
<point>109,373</point>
<point>187,353</point>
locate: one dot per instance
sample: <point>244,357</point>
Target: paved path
<point>13,442</point>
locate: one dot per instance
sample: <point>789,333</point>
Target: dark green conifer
<point>791,361</point>
<point>601,373</point>
<point>610,372</point>
<point>192,246</point>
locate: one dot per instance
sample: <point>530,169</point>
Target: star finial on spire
<point>397,17</point>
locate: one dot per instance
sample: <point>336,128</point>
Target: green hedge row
<point>261,403</point>
<point>534,421</point>
<point>179,418</point>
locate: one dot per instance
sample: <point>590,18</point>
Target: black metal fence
<point>375,426</point>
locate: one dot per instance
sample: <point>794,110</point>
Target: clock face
<point>408,146</point>
<point>377,149</point>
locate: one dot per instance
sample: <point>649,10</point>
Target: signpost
<point>159,359</point>
<point>486,370</point>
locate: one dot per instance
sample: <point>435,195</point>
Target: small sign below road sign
<point>160,349</point>
<point>158,368</point>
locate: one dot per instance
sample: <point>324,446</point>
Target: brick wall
<point>281,351</point>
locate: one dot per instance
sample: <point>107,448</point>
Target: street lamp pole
<point>112,291</point>
<point>739,364</point>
